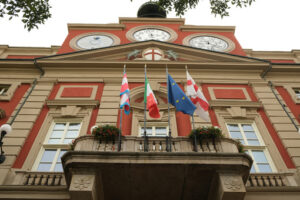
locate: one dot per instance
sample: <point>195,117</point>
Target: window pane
<point>72,134</point>
<point>54,141</point>
<point>57,134</point>
<point>253,142</point>
<point>259,157</point>
<point>252,170</point>
<point>48,155</point>
<point>161,131</point>
<point>233,127</point>
<point>264,168</point>
<point>247,127</point>
<point>44,167</point>
<point>62,152</point>
<point>58,168</point>
<point>250,135</point>
<point>67,141</point>
<point>236,135</point>
<point>74,126</point>
<point>148,131</point>
<point>59,126</point>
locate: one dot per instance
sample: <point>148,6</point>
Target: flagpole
<point>121,115</point>
<point>145,116</point>
<point>168,138</point>
<point>193,124</point>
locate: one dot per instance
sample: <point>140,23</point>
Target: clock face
<point>209,43</point>
<point>151,34</point>
<point>95,41</point>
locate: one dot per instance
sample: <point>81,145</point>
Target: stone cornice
<point>96,27</point>
<point>208,28</point>
<point>123,20</point>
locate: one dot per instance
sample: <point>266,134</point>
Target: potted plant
<point>106,133</point>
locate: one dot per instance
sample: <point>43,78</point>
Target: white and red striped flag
<point>197,98</point>
<point>124,94</point>
<point>151,101</point>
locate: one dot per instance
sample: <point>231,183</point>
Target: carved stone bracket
<point>70,111</point>
<point>2,113</point>
<point>237,112</point>
<point>83,187</point>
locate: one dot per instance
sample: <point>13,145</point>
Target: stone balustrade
<point>39,178</point>
<point>269,180</point>
<point>155,144</point>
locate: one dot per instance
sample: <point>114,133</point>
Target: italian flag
<point>150,101</point>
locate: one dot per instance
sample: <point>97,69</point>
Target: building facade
<point>51,96</point>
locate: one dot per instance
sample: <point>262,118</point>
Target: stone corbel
<point>229,185</point>
<point>83,186</point>
<point>2,113</point>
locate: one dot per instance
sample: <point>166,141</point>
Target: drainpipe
<point>283,105</point>
<point>42,72</point>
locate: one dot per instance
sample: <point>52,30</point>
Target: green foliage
<point>34,12</point>
<point>218,7</point>
<point>240,147</point>
<point>206,132</point>
<point>107,132</point>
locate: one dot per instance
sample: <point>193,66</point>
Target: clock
<point>94,40</point>
<point>151,34</point>
<point>209,43</point>
<point>212,42</point>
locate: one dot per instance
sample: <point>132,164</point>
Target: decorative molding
<point>62,102</point>
<point>232,182</point>
<point>82,182</point>
<point>237,112</point>
<point>242,104</point>
<point>70,111</point>
<point>2,113</point>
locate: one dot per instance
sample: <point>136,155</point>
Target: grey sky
<point>266,25</point>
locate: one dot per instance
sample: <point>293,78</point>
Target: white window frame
<point>57,147</point>
<point>250,148</point>
<point>153,125</point>
<point>297,92</point>
<point>3,89</point>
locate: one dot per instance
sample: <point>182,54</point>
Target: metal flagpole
<point>121,115</point>
<point>145,116</point>
<point>193,124</point>
<point>168,138</point>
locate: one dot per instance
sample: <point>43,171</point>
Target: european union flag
<point>178,99</point>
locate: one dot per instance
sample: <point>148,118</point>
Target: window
<point>297,92</point>
<point>3,89</point>
<point>249,136</point>
<point>56,144</point>
<point>155,131</point>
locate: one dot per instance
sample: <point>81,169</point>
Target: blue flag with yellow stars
<point>178,99</point>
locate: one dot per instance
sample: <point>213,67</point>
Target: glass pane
<point>58,168</point>
<point>264,168</point>
<point>250,135</point>
<point>252,170</point>
<point>247,127</point>
<point>236,135</point>
<point>74,126</point>
<point>253,142</point>
<point>161,131</point>
<point>57,134</point>
<point>67,141</point>
<point>233,127</point>
<point>148,131</point>
<point>259,157</point>
<point>72,134</point>
<point>44,167</point>
<point>62,152</point>
<point>54,141</point>
<point>48,155</point>
<point>59,126</point>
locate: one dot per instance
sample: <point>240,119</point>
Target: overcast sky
<point>266,25</point>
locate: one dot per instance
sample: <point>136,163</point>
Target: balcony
<point>96,170</point>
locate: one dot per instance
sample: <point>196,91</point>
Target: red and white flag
<point>197,98</point>
<point>124,94</point>
<point>151,101</point>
